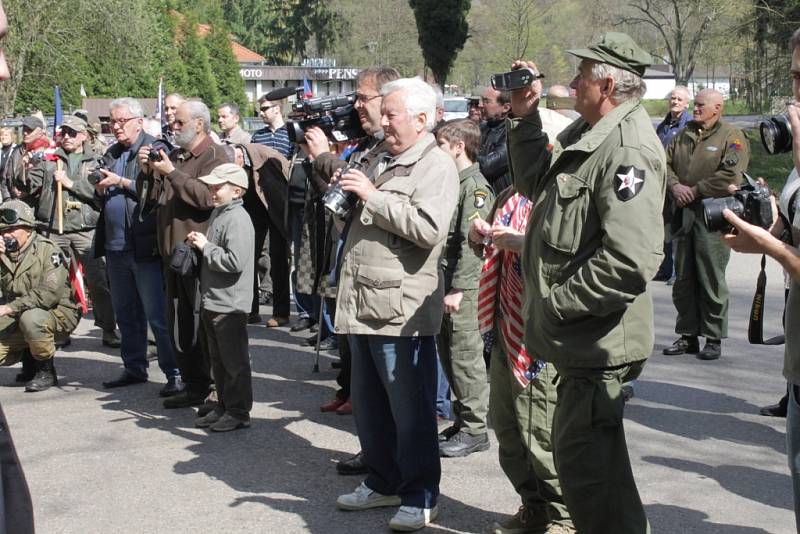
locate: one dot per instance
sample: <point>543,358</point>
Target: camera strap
<point>755,331</point>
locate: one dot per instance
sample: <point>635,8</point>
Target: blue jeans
<point>305,303</point>
<point>793,445</point>
<point>443,408</point>
<point>137,295</point>
<point>393,389</point>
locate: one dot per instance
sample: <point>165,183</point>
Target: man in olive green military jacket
<point>593,243</point>
<point>460,343</point>
<point>703,161</point>
<point>39,306</point>
<point>75,163</point>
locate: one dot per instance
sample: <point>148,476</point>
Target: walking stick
<point>60,208</point>
<point>319,335</point>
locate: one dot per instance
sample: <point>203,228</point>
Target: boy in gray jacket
<point>226,283</point>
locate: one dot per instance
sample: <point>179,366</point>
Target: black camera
<point>338,201</point>
<point>34,158</point>
<point>97,176</point>
<point>515,79</point>
<point>11,243</point>
<point>156,148</point>
<point>776,134</point>
<point>750,203</point>
<point>335,115</point>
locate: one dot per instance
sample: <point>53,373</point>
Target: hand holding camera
<point>107,180</point>
<point>525,100</point>
<point>316,141</point>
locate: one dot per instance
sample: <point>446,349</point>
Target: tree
<point>194,55</point>
<point>224,66</point>
<point>442,27</point>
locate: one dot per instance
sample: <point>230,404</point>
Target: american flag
<point>501,282</point>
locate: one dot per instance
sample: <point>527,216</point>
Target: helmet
<point>14,213</point>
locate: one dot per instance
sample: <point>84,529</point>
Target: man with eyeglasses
<point>73,168</point>
<point>184,205</point>
<point>38,303</point>
<point>274,133</point>
<point>495,106</point>
<point>126,236</point>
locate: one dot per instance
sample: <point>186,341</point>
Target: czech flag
<point>307,89</point>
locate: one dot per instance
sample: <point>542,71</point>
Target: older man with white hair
<point>390,303</point>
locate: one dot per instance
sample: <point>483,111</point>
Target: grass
<point>774,169</point>
<point>658,108</point>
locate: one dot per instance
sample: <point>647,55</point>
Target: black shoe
<point>776,410</point>
<point>45,376</point>
<point>627,392</point>
<point>174,386</point>
<point>311,341</point>
<point>336,365</point>
<point>125,379</point>
<point>329,343</point>
<point>183,400</point>
<point>463,444</point>
<point>352,466</point>
<point>314,328</point>
<point>662,277</point>
<point>448,433</point>
<point>301,324</point>
<point>209,404</point>
<point>111,339</point>
<point>63,343</point>
<point>254,318</point>
<point>712,350</point>
<point>28,369</point>
<point>685,345</point>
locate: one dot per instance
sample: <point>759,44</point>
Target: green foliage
<point>442,27</point>
<point>194,55</point>
<point>223,64</point>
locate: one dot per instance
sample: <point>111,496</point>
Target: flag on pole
<point>76,281</point>
<point>59,115</point>
<point>160,115</point>
<point>307,89</point>
<point>83,91</point>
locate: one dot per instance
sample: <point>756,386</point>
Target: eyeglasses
<point>69,132</point>
<point>120,122</point>
<point>365,99</point>
<point>9,216</point>
<point>267,108</point>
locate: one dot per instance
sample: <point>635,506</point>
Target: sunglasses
<point>69,132</point>
<point>9,216</point>
<point>265,108</point>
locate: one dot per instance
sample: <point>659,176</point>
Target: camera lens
<point>338,201</point>
<point>712,212</point>
<point>776,134</point>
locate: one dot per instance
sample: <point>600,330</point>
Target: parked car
<point>456,108</point>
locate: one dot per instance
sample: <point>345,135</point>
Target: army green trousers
<point>522,419</point>
<point>591,455</point>
<point>36,330</point>
<point>460,348</point>
<point>700,293</point>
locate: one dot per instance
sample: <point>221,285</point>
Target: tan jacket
<point>390,281</point>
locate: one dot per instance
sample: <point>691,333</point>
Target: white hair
<point>199,111</point>
<point>418,97</point>
<point>133,105</point>
<point>681,88</point>
<point>627,85</point>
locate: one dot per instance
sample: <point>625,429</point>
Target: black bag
<point>185,260</point>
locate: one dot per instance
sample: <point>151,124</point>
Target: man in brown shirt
<point>184,205</point>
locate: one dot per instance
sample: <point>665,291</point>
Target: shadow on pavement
<point>666,519</point>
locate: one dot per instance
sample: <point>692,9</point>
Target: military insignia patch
<point>480,199</point>
<point>732,159</point>
<point>736,145</point>
<point>628,182</point>
<point>711,148</point>
<point>55,259</point>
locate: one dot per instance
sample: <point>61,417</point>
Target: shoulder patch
<point>628,181</point>
<point>480,199</point>
<point>736,145</point>
<point>731,159</point>
<point>55,259</point>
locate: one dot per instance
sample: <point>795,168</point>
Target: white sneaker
<point>364,498</point>
<point>411,518</point>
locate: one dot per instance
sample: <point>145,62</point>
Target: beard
<point>184,138</point>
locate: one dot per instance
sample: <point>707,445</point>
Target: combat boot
<point>45,376</point>
<point>28,369</point>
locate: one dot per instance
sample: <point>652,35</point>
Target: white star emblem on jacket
<point>629,181</point>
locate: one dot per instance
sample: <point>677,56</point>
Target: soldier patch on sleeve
<point>628,182</point>
<point>480,199</point>
<point>55,259</point>
<point>731,159</point>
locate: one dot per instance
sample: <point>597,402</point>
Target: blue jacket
<point>669,127</point>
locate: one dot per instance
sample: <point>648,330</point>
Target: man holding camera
<point>38,307</point>
<point>390,303</point>
<point>703,161</point>
<point>185,205</point>
<point>126,236</point>
<point>781,243</point>
<point>72,169</point>
<point>593,244</point>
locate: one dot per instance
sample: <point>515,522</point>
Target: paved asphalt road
<point>115,462</point>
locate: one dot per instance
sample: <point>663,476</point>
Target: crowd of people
<point>491,267</point>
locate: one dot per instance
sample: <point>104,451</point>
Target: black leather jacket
<point>493,157</point>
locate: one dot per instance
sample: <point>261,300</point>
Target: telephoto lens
<point>776,134</point>
<point>338,201</point>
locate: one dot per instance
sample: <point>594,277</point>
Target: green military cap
<point>75,124</point>
<point>15,213</point>
<point>619,50</point>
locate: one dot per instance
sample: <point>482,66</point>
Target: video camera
<point>335,115</point>
<point>751,203</point>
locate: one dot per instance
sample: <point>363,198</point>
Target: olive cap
<point>619,50</point>
<point>15,213</point>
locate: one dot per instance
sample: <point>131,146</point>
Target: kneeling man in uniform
<point>38,306</point>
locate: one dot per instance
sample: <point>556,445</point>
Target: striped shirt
<point>278,140</point>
